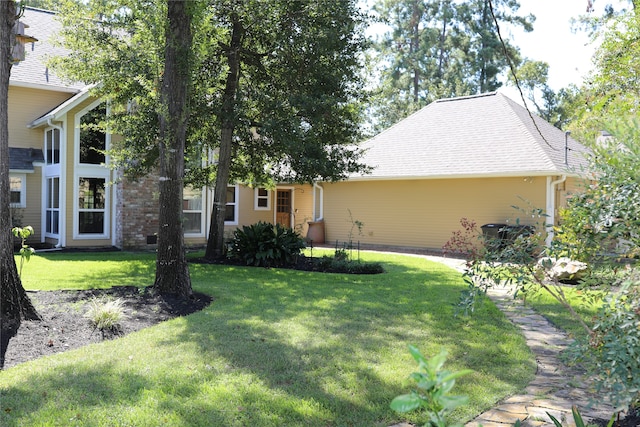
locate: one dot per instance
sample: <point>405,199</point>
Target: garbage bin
<point>511,232</point>
<point>494,235</point>
<point>315,233</point>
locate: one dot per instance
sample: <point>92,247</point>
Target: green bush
<point>611,353</point>
<point>265,245</point>
<point>340,264</point>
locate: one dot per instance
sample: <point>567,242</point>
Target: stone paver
<point>556,387</point>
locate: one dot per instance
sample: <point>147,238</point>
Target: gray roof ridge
<point>38,9</point>
<point>465,97</point>
<point>537,139</point>
<point>457,98</point>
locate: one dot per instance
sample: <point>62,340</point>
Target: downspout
<point>61,229</point>
<point>318,187</point>
<point>551,206</point>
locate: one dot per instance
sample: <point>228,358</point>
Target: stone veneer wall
<point>137,212</point>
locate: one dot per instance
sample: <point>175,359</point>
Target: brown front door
<point>283,208</point>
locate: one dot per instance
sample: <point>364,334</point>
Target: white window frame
<point>105,210</point>
<point>202,211</point>
<point>86,170</point>
<point>48,182</point>
<point>52,130</point>
<point>236,204</point>
<point>257,197</point>
<point>23,189</point>
<point>107,136</point>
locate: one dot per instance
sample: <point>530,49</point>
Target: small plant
<point>25,250</point>
<point>105,316</point>
<point>464,242</point>
<point>355,225</point>
<point>265,245</point>
<point>432,392</point>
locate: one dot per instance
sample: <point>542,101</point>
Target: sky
<point>567,52</point>
<point>552,40</point>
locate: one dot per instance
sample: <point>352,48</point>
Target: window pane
<point>91,193</point>
<point>192,222</point>
<point>262,202</point>
<point>92,138</point>
<point>52,222</point>
<point>263,192</point>
<point>15,185</point>
<point>15,197</point>
<point>91,222</point>
<point>231,194</point>
<point>192,199</point>
<point>230,213</point>
<point>53,190</point>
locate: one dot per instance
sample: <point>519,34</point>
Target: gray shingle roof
<point>22,159</point>
<point>484,135</point>
<point>33,71</point>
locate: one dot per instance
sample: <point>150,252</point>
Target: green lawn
<point>275,348</point>
<point>552,310</point>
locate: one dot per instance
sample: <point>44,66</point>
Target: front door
<point>283,208</point>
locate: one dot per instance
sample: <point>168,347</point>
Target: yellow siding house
<point>62,183</point>
<point>471,157</point>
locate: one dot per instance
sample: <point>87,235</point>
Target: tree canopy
<point>275,86</point>
<point>439,49</point>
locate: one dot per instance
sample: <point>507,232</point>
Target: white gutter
<point>61,192</point>
<point>551,206</point>
<point>319,187</point>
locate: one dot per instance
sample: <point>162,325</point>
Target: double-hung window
<point>18,190</point>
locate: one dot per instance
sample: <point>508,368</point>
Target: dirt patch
<point>64,326</point>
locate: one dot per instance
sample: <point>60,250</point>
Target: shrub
<point>340,264</point>
<point>105,315</point>
<point>265,245</point>
<point>611,353</point>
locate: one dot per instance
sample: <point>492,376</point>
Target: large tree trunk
<point>14,303</point>
<point>215,243</point>
<point>172,270</point>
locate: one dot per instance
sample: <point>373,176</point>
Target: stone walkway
<point>555,388</point>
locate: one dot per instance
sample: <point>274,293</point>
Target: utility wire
<point>515,76</point>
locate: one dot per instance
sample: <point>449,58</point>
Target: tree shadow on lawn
<point>349,320</point>
<point>280,349</point>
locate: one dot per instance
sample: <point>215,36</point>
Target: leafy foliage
<point>611,354</point>
<point>437,50</point>
<point>263,244</point>
<point>433,390</point>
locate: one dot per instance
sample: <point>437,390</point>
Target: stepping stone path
<point>555,388</point>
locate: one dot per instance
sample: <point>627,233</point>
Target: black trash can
<point>494,236</point>
<point>512,232</point>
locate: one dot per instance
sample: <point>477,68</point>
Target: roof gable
<point>33,72</point>
<point>483,135</point>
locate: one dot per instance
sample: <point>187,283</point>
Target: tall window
<point>231,211</point>
<point>52,146</point>
<point>192,210</point>
<point>52,207</point>
<point>91,205</point>
<point>92,138</point>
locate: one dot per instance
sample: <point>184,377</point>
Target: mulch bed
<point>64,327</point>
